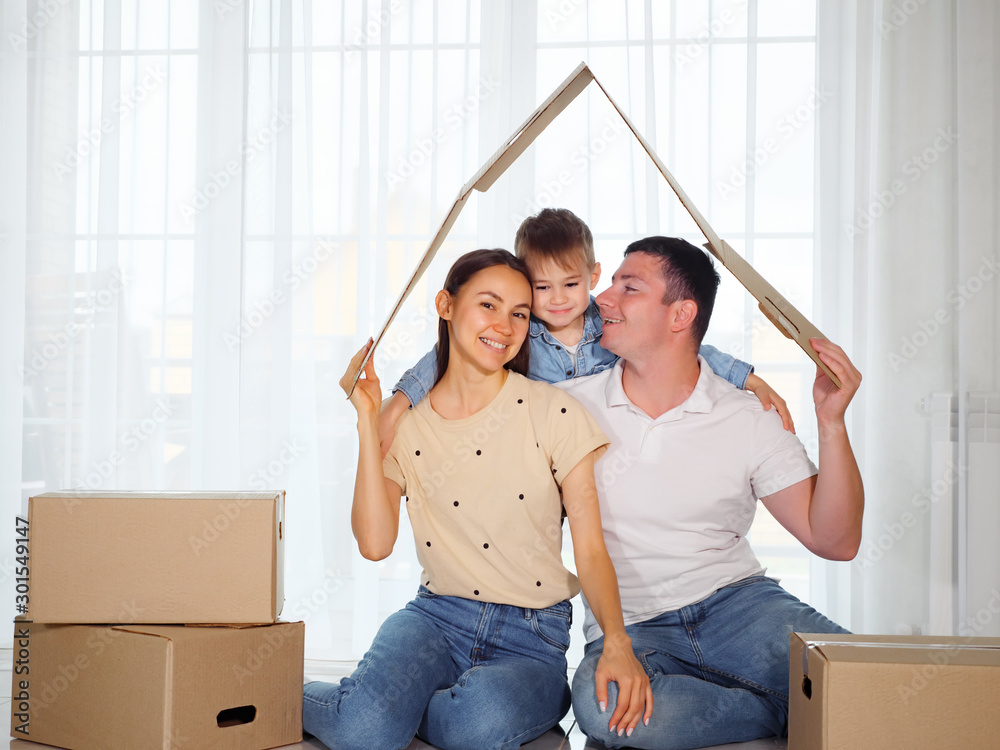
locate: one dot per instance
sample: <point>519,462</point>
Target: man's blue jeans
<point>718,668</point>
<point>459,673</point>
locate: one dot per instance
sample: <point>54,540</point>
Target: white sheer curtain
<point>916,277</point>
<point>206,207</point>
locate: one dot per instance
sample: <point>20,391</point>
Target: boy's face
<point>560,293</point>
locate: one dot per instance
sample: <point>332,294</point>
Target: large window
<point>225,198</point>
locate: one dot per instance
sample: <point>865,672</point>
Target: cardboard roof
<point>785,317</point>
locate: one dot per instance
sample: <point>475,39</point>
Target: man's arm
<point>824,512</point>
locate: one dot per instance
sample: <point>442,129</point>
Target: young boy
<point>564,334</point>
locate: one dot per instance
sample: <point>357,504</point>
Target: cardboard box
<point>168,687</point>
<point>171,557</point>
<point>869,691</point>
<point>775,307</point>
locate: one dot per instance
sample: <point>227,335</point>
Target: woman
<point>487,462</point>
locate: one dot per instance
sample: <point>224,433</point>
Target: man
<point>690,456</point>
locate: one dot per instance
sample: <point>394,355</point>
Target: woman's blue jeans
<point>458,673</point>
<point>718,668</point>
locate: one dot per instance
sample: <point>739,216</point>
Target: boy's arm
<point>726,366</point>
<point>415,384</point>
<point>740,374</point>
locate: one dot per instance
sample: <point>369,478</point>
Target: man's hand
<point>768,398</point>
<point>618,664</point>
<point>831,401</point>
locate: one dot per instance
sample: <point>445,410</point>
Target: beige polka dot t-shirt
<point>483,493</point>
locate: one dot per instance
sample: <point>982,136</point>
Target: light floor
<point>553,740</point>
<point>569,737</point>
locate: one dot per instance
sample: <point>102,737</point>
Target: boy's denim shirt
<point>550,362</point>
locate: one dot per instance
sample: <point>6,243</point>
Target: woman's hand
<point>768,398</point>
<point>635,695</point>
<point>367,394</point>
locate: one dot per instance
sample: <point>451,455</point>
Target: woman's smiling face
<point>488,317</point>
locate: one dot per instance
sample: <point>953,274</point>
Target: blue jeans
<point>718,668</point>
<point>456,672</point>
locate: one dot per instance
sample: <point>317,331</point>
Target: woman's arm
<point>375,511</point>
<point>600,585</point>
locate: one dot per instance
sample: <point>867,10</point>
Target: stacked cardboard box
<point>875,691</point>
<point>151,623</point>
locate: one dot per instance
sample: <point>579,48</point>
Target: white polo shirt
<point>678,493</point>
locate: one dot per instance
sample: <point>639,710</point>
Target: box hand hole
<point>233,717</point>
<point>807,688</point>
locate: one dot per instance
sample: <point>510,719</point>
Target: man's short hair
<point>689,274</point>
<point>554,234</point>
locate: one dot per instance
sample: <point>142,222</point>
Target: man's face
<point>635,318</point>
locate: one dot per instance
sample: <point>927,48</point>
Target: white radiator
<point>982,548</point>
<point>964,554</point>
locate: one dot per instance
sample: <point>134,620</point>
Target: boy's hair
<point>554,234</point>
<point>689,274</point>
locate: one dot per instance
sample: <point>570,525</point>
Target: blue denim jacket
<point>549,360</point>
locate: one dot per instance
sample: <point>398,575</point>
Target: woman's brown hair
<point>464,269</point>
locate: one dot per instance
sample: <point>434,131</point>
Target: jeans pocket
<point>552,626</point>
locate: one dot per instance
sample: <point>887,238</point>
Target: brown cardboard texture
<point>785,317</point>
<point>168,687</point>
<point>870,692</point>
<point>171,557</point>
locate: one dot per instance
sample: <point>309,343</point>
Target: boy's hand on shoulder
<point>768,398</point>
